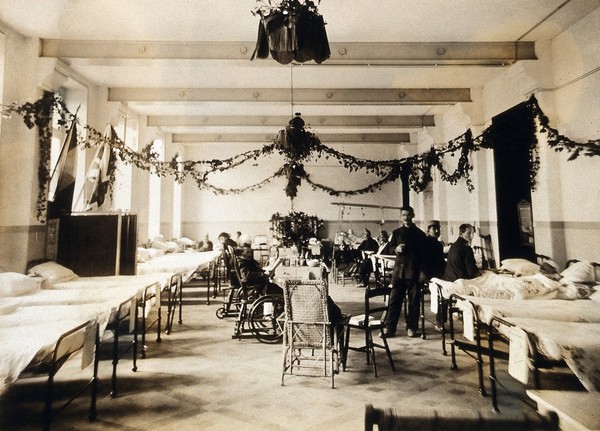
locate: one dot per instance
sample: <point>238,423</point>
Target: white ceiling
<point>130,52</point>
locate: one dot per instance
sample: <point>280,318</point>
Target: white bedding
<point>30,313</point>
<point>187,263</point>
<point>29,344</point>
<point>580,310</point>
<point>578,344</point>
<point>115,281</point>
<point>31,324</point>
<point>502,286</point>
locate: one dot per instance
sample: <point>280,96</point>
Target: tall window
<point>177,204</point>
<point>154,194</point>
<point>2,60</point>
<point>127,130</point>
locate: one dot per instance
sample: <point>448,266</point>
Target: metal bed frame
<point>68,344</point>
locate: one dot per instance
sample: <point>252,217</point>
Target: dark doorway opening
<point>513,132</point>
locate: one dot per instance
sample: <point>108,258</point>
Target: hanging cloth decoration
<point>293,30</point>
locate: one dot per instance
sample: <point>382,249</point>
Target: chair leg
<point>423,336</point>
<point>389,355</point>
<point>159,323</point>
<point>346,344</point>
<point>115,362</point>
<point>368,342</point>
<point>371,351</point>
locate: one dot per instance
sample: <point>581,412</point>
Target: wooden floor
<point>199,378</point>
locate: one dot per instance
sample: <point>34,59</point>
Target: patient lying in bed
<point>520,279</point>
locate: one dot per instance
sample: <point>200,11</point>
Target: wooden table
<point>575,410</point>
<point>298,272</point>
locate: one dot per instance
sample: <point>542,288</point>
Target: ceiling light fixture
<point>291,30</point>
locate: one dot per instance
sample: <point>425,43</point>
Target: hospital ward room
<point>300,215</point>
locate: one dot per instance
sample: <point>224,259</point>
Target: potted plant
<point>295,229</point>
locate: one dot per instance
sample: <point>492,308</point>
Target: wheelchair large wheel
<point>266,319</point>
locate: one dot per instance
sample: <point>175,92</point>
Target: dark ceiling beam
<point>359,53</point>
<point>334,96</point>
<point>391,138</point>
<point>408,121</point>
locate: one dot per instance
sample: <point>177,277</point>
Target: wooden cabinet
<point>98,244</point>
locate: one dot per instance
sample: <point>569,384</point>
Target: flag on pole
<point>62,180</point>
<point>98,175</point>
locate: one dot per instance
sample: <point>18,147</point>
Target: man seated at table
<point>367,266</point>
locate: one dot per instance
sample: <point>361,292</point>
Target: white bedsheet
<point>579,310</point>
<point>31,324</point>
<point>28,344</point>
<point>187,263</point>
<point>502,286</point>
<point>115,281</point>
<point>578,344</point>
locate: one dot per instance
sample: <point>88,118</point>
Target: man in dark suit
<point>253,274</point>
<point>434,263</point>
<point>461,260</point>
<point>407,242</point>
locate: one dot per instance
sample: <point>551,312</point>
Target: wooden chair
<point>372,320</point>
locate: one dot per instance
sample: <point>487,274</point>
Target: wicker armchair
<point>310,342</point>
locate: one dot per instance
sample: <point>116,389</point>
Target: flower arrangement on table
<point>295,229</point>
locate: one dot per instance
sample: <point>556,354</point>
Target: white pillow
<point>160,245</point>
<point>520,267</point>
<point>186,242</point>
<point>579,272</point>
<point>52,273</point>
<point>15,284</point>
<point>143,254</point>
<point>172,247</point>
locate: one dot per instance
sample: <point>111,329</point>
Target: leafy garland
<point>39,113</point>
<point>297,145</point>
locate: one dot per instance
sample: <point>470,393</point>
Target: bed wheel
<point>221,313</point>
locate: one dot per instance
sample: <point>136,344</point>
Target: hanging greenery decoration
<point>560,142</point>
<point>40,113</point>
<point>296,145</point>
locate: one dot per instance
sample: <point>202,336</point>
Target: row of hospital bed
<point>533,319</point>
<point>52,315</point>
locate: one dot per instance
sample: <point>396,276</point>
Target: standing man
<point>407,242</point>
<point>434,263</point>
<point>461,260</point>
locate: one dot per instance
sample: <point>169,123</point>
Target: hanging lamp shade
<point>294,30</point>
<point>294,140</point>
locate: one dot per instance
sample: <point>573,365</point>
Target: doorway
<point>513,132</point>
